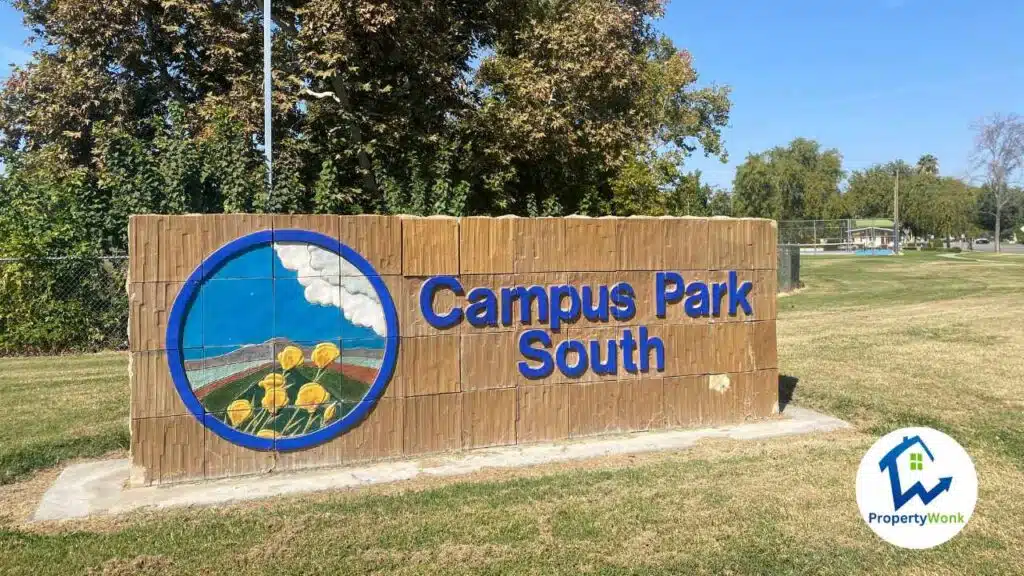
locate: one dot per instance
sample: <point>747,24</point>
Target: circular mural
<point>282,340</point>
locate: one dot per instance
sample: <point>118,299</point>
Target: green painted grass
<point>881,342</point>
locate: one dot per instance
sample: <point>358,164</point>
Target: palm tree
<point>928,164</point>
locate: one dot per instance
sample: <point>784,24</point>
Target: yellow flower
<point>290,357</point>
<point>239,411</point>
<point>329,413</point>
<point>272,381</point>
<point>324,354</point>
<point>274,399</point>
<point>267,433</point>
<point>311,395</point>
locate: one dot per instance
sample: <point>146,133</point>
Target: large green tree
<point>798,181</point>
<point>870,193</point>
<point>458,107</point>
<point>929,204</point>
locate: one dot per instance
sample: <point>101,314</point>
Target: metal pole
<point>268,140</point>
<point>896,214</point>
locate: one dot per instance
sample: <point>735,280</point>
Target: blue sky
<point>877,79</point>
<point>12,38</point>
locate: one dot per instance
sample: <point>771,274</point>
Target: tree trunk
<point>999,216</point>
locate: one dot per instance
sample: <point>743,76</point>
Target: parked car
<point>982,241</point>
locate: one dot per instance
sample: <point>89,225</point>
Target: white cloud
<point>330,280</point>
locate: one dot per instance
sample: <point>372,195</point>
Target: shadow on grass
<point>787,386</point>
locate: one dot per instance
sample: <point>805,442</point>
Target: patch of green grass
<point>19,462</point>
<point>887,281</point>
<point>60,408</point>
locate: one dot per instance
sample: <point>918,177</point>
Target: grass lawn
<point>882,342</point>
<point>58,408</point>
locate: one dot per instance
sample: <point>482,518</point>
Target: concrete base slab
<point>100,487</point>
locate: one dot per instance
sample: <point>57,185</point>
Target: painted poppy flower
<point>239,411</point>
<point>272,381</point>
<point>274,399</point>
<point>311,395</point>
<point>324,354</point>
<point>330,412</point>
<point>290,357</point>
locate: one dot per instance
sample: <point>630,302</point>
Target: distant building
<point>872,233</point>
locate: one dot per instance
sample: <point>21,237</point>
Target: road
<point>991,247</point>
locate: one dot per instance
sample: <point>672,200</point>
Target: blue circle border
<point>206,269</point>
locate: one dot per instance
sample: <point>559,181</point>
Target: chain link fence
<point>63,304</point>
<point>818,235</point>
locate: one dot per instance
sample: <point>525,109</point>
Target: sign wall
<point>283,342</point>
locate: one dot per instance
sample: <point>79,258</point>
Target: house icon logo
<point>916,488</point>
<point>890,463</point>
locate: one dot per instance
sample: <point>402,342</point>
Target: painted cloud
<point>330,280</point>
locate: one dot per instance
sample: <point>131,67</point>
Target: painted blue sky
<point>252,298</point>
<point>877,79</point>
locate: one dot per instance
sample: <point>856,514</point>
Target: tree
<point>951,206</point>
<point>462,106</point>
<point>799,181</point>
<point>928,164</point>
<point>721,203</point>
<point>999,157</point>
<point>1011,217</point>
<point>870,192</point>
<point>929,204</point>
<point>690,197</point>
<point>580,95</point>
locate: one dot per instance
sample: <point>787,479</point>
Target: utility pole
<point>896,214</point>
<point>268,140</point>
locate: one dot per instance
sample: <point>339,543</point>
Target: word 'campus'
<point>566,304</point>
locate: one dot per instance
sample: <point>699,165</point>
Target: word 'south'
<point>563,304</point>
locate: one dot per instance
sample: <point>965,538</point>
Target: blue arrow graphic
<point>899,497</point>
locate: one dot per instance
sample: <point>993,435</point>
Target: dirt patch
<point>19,501</point>
<point>803,288</point>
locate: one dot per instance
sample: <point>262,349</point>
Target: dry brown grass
<point>864,350</point>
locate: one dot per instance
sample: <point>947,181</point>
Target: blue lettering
<point>427,292</point>
<point>600,312</point>
<point>547,365</point>
<point>647,344</point>
<point>628,346</point>
<point>611,363</point>
<point>738,295</point>
<point>560,314</point>
<point>664,296</point>
<point>508,297</point>
<point>526,297</point>
<point>622,296</point>
<point>697,300</point>
<point>719,290</point>
<point>483,308</point>
<point>576,370</point>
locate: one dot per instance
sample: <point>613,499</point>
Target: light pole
<point>268,140</point>
<point>896,227</point>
